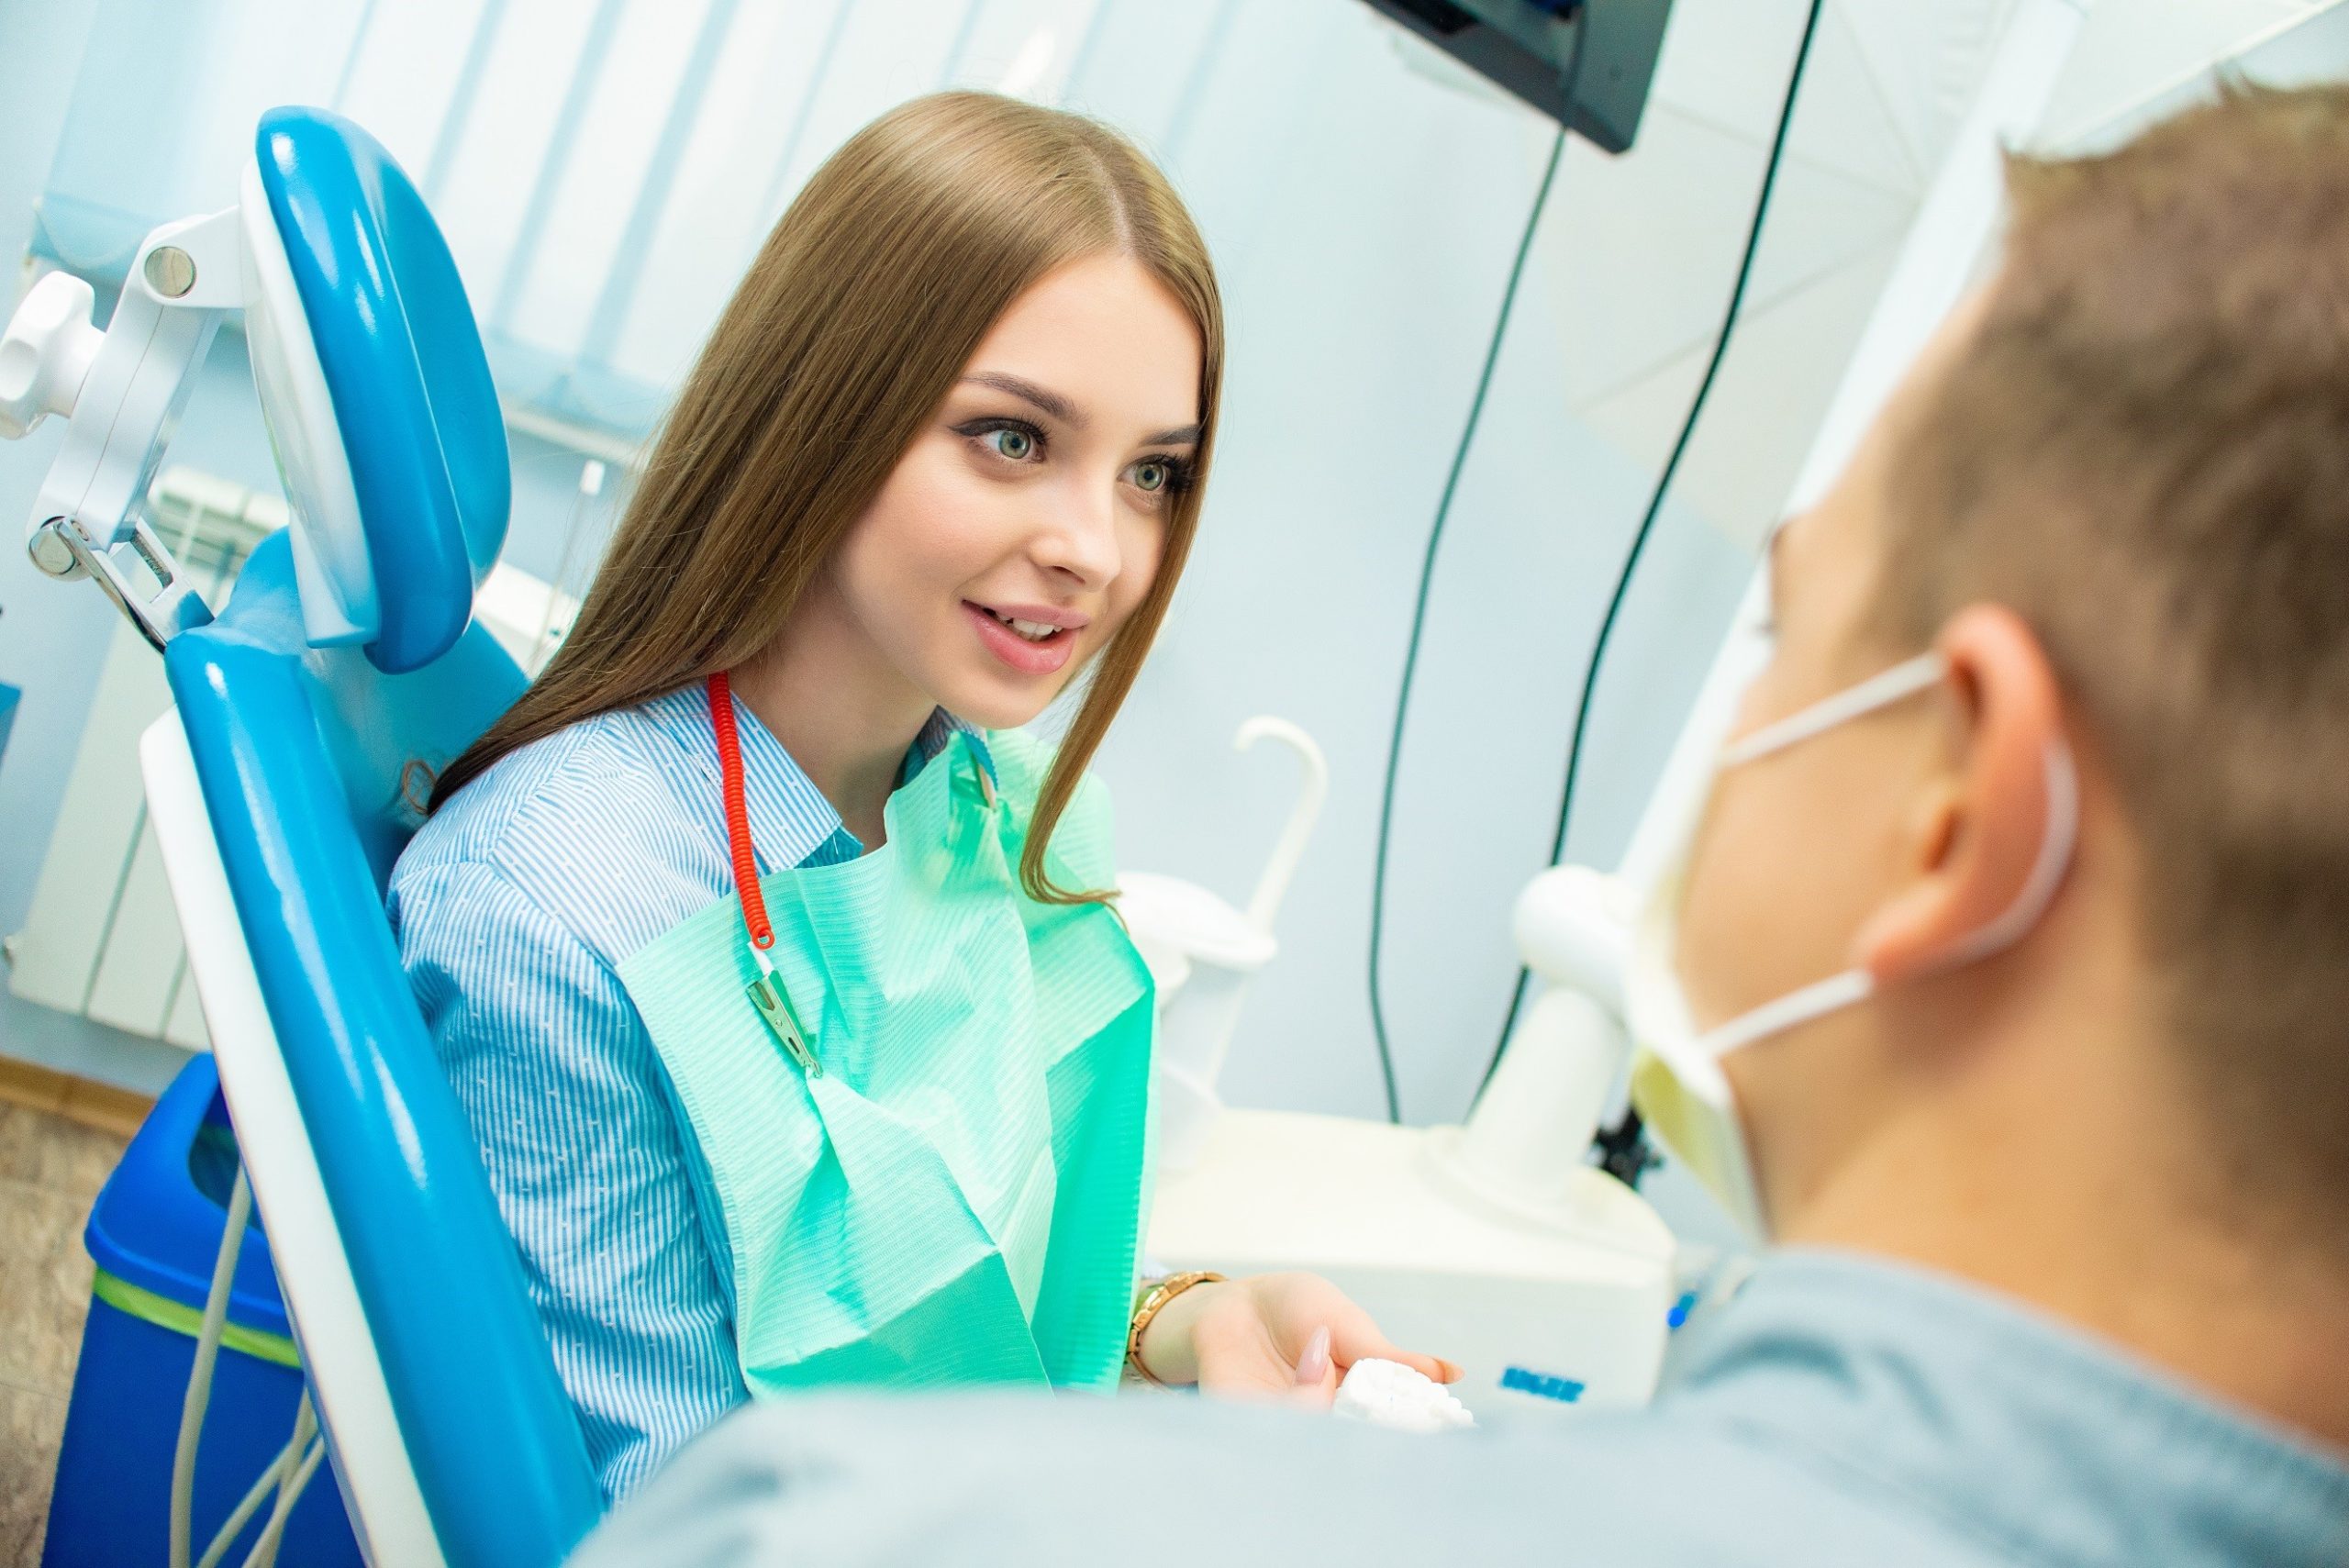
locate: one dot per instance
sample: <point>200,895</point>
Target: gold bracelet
<point>1153,1303</point>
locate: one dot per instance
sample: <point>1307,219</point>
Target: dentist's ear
<point>1977,828</point>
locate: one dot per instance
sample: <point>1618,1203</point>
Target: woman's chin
<point>987,705</point>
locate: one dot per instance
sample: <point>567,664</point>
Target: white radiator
<point>102,941</point>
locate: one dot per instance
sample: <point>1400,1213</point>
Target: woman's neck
<point>846,715</point>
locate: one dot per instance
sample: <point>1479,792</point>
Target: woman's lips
<point>1041,658</point>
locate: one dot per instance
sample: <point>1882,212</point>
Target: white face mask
<point>1676,1078</point>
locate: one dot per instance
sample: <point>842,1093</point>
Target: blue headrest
<point>417,441</point>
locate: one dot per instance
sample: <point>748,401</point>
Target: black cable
<point>1427,577</point>
<point>1655,507</point>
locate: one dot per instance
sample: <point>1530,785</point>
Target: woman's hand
<point>1270,1337</point>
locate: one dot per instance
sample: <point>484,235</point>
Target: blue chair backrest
<point>307,757</point>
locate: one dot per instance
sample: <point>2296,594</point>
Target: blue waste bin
<point>154,1236</point>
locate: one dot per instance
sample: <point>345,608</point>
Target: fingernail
<point>1454,1372</point>
<point>1314,1364</point>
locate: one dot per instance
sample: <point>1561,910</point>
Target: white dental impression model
<point>1388,1393</point>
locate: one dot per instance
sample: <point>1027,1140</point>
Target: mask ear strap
<point>1815,1000</point>
<point>1841,990</point>
<point>2056,842</point>
<point>1880,690</point>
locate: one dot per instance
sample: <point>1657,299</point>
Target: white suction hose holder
<point>1533,1120</point>
<point>1202,953</point>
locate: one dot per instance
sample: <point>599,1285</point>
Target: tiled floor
<point>51,1170</point>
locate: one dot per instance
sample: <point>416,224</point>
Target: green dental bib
<point>958,1196</point>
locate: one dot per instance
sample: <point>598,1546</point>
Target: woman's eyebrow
<point>1051,402</point>
<point>1068,413</point>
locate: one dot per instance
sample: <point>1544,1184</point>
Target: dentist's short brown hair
<point>2144,451</point>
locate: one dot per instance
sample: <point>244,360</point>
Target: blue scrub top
<point>515,907</point>
<point>1841,1412</point>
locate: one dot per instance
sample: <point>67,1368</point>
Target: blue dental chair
<point>344,667</point>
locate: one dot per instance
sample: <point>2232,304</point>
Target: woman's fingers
<point>1435,1367</point>
<point>1296,1335</point>
<point>1314,1364</point>
<point>1315,1383</point>
<point>1241,1358</point>
<point>1357,1339</point>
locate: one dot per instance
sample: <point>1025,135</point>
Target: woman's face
<point>1027,519</point>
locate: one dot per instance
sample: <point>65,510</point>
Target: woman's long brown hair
<point>860,313</point>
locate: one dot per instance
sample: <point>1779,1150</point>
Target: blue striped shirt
<point>515,907</point>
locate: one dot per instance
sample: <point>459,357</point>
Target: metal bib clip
<point>773,1004</point>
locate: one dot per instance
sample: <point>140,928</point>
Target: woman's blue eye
<point>1016,445</point>
<point>1161,478</point>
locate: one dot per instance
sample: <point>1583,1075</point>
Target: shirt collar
<point>2011,1426</point>
<point>791,821</point>
<point>941,728</point>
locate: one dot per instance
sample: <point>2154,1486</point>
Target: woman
<point>776,978</point>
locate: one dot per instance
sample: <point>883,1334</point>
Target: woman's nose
<point>1078,539</point>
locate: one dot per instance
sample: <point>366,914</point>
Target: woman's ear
<point>1981,820</point>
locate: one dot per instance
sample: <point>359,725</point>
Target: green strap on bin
<point>180,1318</point>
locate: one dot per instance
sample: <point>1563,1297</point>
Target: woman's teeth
<point>1033,631</point>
